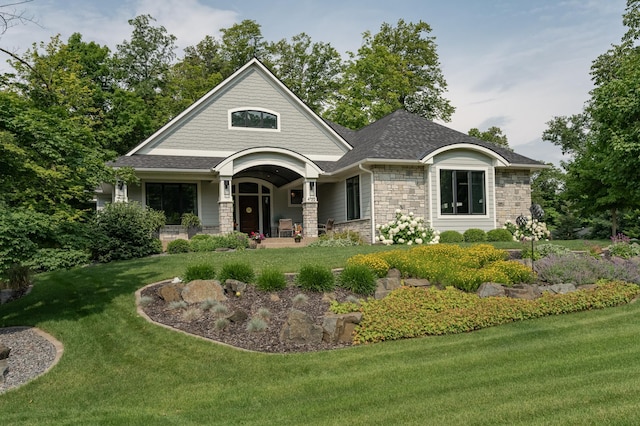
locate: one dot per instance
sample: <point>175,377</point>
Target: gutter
<point>373,209</point>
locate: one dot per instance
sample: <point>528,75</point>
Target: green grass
<point>118,369</point>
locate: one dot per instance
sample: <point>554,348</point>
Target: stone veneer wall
<point>310,218</point>
<point>226,216</point>
<point>513,194</point>
<point>399,187</point>
<point>362,226</point>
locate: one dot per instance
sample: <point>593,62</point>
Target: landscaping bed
<point>251,301</point>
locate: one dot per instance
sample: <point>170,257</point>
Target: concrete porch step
<point>286,242</point>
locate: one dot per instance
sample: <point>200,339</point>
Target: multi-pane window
<point>254,119</point>
<point>353,198</point>
<point>174,199</point>
<point>462,192</point>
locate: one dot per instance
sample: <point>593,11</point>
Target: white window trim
<point>253,129</point>
<point>489,192</point>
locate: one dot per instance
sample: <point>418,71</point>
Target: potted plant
<point>191,222</point>
<point>257,237</point>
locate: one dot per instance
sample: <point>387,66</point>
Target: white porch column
<point>121,193</point>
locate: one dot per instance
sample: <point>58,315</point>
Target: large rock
<point>171,292</point>
<point>523,291</point>
<point>198,291</point>
<point>238,316</point>
<point>560,288</point>
<point>4,351</point>
<point>300,328</point>
<point>417,282</point>
<point>386,285</point>
<point>4,360</point>
<point>491,290</point>
<point>340,327</point>
<point>234,286</point>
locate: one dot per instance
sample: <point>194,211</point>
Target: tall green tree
<point>240,43</point>
<point>396,68</point>
<point>493,134</point>
<point>604,141</point>
<point>310,70</point>
<point>141,67</point>
<point>199,71</point>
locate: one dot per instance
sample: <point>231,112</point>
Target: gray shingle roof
<point>400,135</point>
<point>167,162</point>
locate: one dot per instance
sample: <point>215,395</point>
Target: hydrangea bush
<point>533,229</point>
<point>407,229</point>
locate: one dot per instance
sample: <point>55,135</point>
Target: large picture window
<point>353,198</point>
<point>254,119</point>
<point>174,199</point>
<point>462,192</point>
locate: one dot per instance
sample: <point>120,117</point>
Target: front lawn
<point>118,369</point>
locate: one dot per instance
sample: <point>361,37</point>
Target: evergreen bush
<point>451,237</point>
<point>474,235</point>
<point>500,234</point>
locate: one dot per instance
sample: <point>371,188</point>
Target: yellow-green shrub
<point>414,312</point>
<point>374,261</point>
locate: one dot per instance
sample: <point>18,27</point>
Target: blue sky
<point>511,63</point>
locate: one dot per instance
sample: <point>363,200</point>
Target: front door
<point>249,213</point>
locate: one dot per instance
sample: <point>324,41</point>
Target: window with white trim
<point>462,192</point>
<point>254,119</point>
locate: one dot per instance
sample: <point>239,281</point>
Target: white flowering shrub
<point>533,229</point>
<point>407,229</point>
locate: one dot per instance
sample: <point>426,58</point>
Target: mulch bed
<point>278,303</point>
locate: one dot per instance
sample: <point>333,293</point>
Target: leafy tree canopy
<point>493,134</point>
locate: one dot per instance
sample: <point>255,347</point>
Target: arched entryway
<point>260,185</point>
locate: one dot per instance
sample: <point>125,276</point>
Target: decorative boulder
<point>198,291</point>
<point>491,290</point>
<point>561,288</point>
<point>4,360</point>
<point>523,291</point>
<point>340,327</point>
<point>171,292</point>
<point>300,328</point>
<point>387,285</point>
<point>417,282</point>
<point>238,316</point>
<point>234,286</point>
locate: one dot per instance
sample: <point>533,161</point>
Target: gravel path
<point>33,352</point>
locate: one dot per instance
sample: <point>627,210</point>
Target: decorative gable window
<point>254,119</point>
<point>462,192</point>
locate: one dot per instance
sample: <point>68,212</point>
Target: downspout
<point>372,208</point>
